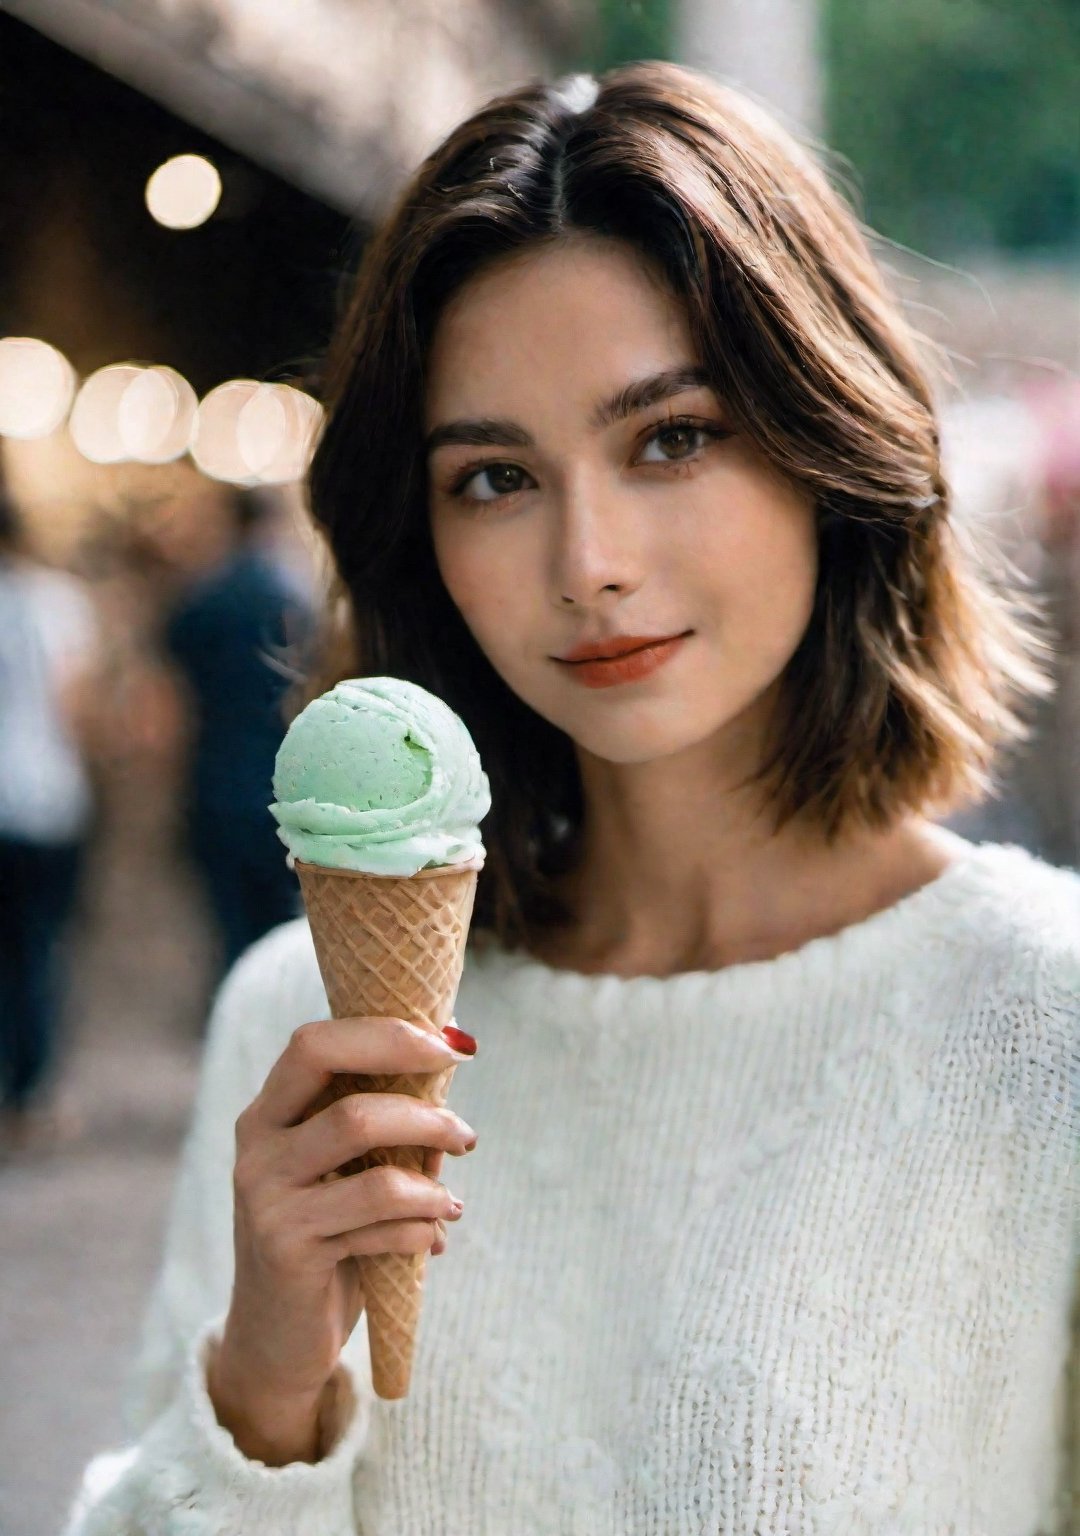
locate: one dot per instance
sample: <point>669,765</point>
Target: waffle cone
<point>392,945</point>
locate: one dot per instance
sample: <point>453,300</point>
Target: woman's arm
<point>1061,997</point>
<point>181,1458</point>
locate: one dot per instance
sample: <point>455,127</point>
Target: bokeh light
<point>214,443</point>
<point>255,434</point>
<point>262,428</point>
<point>183,192</point>
<point>95,416</point>
<point>155,415</point>
<point>37,384</point>
<point>290,431</point>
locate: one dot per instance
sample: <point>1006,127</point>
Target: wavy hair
<point>917,658</point>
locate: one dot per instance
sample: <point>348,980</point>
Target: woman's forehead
<point>589,321</point>
<point>555,269</point>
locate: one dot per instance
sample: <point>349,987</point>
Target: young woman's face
<point>555,522</point>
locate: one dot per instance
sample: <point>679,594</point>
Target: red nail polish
<point>459,1040</point>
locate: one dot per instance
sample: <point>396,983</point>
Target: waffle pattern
<point>395,946</point>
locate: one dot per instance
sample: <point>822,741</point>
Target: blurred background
<point>182,184</point>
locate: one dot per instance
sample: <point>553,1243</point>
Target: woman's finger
<point>359,1122</point>
<point>384,1237</point>
<point>369,1045</point>
<point>376,1197</point>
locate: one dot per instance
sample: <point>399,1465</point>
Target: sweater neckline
<point>904,921</point>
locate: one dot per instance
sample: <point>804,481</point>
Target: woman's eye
<point>501,481</point>
<point>680,440</point>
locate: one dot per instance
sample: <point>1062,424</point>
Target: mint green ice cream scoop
<point>379,775</point>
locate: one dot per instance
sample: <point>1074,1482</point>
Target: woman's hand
<point>296,1294</point>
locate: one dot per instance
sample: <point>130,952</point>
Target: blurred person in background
<point>49,678</point>
<point>229,635</point>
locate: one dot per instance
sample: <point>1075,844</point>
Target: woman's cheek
<point>461,567</point>
<point>488,598</point>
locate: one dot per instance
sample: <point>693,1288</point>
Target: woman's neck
<point>662,917</point>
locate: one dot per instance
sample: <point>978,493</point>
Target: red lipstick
<point>620,659</point>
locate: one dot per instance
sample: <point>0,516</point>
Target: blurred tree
<point>961,119</point>
<point>619,31</point>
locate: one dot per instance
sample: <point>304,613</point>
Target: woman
<point>771,1222</point>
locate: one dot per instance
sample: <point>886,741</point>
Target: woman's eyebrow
<point>642,393</point>
<point>497,432</point>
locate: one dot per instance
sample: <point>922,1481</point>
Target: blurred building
<point>768,48</point>
<point>341,99</point>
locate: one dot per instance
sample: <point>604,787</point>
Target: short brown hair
<point>915,662</point>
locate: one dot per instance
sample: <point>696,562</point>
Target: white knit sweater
<point>789,1247</point>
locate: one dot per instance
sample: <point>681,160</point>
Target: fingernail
<point>458,1040</point>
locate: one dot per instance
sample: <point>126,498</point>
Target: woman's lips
<point>624,669</point>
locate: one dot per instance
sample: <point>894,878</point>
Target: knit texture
<point>789,1247</point>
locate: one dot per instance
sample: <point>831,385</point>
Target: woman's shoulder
<point>281,962</point>
<point>1026,887</point>
<point>1024,912</point>
<point>274,986</point>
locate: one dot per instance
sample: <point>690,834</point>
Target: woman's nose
<point>595,549</point>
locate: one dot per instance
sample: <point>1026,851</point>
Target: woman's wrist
<point>265,1425</point>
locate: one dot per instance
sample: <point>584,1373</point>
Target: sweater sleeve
<point>1062,997</point>
<point>182,1474</point>
<point>1068,1505</point>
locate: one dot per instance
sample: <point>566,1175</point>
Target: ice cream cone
<point>393,945</point>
